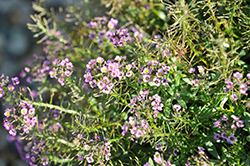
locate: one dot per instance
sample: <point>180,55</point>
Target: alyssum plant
<point>152,83</point>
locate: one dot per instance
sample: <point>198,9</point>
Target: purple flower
<point>146,6</point>
<point>101,33</point>
<point>22,74</point>
<point>7,113</point>
<point>225,89</point>
<point>240,123</point>
<point>223,135</point>
<point>8,126</point>
<point>45,160</point>
<point>92,35</point>
<point>164,81</point>
<point>230,86</point>
<point>29,79</point>
<point>228,81</point>
<point>140,79</point>
<point>234,97</point>
<point>109,35</point>
<point>217,136</point>
<point>32,123</point>
<point>80,157</point>
<point>196,82</point>
<point>217,123</point>
<point>175,151</point>
<point>231,139</point>
<point>238,75</point>
<point>1,92</point>
<point>99,41</point>
<point>159,74</point>
<point>191,70</point>
<point>158,146</point>
<point>15,81</point>
<point>224,118</point>
<point>61,80</point>
<point>147,164</point>
<point>88,77</point>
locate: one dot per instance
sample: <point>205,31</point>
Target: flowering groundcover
<point>149,83</point>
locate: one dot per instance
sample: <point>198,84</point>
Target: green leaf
<point>187,80</point>
<point>211,148</point>
<point>182,103</point>
<point>224,100</point>
<point>242,52</point>
<point>248,138</point>
<point>247,120</point>
<point>247,162</point>
<point>151,162</point>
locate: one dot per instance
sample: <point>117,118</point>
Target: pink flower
<point>1,92</point>
<point>177,107</point>
<point>61,80</point>
<point>15,81</point>
<point>191,70</point>
<point>238,75</point>
<point>11,88</point>
<point>157,158</point>
<point>86,147</point>
<point>52,73</point>
<point>146,78</point>
<point>45,160</point>
<point>99,60</point>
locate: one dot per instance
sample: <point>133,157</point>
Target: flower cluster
<point>63,69</point>
<point>228,126</point>
<point>106,30</point>
<point>199,160</point>
<point>136,126</point>
<point>96,151</point>
<point>158,159</point>
<point>237,81</point>
<point>23,112</point>
<point>154,73</point>
<point>103,74</point>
